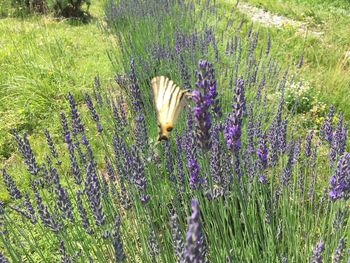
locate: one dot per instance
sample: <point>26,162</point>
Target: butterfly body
<point>168,99</point>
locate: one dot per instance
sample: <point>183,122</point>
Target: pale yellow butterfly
<point>169,99</point>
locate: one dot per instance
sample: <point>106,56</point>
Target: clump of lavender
<point>195,249</point>
<point>93,112</point>
<point>233,125</point>
<point>317,252</point>
<point>11,186</point>
<point>340,181</point>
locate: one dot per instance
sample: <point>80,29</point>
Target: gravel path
<point>270,19</point>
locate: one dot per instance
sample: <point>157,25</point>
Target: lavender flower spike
<point>232,130</point>
<point>93,112</point>
<point>317,251</point>
<point>195,250</point>
<point>340,181</point>
<point>338,253</point>
<point>10,185</point>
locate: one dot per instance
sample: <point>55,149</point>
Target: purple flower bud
<point>97,95</point>
<point>27,152</point>
<point>192,164</point>
<point>338,253</point>
<point>45,216</point>
<point>93,112</point>
<point>138,175</point>
<point>83,214</point>
<point>3,259</point>
<point>65,258</point>
<point>307,147</point>
<point>232,130</point>
<point>340,181</point>
<point>50,144</point>
<point>317,252</point>
<point>92,185</point>
<point>117,241</point>
<point>77,125</point>
<point>194,250</point>
<point>178,244</point>
<point>134,89</point>
<point>326,131</point>
<point>11,186</point>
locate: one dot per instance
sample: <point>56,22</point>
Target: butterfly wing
<point>168,99</point>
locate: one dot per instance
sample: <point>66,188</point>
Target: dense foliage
<point>235,182</point>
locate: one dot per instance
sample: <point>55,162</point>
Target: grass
<point>42,59</point>
<point>326,66</point>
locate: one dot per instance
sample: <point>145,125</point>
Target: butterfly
<point>169,100</point>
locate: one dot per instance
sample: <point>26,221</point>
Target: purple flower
<point>117,241</point>
<point>317,251</point>
<point>138,175</point>
<point>307,147</point>
<point>97,95</point>
<point>27,152</point>
<point>50,144</point>
<point>29,207</point>
<point>11,186</point>
<point>62,199</point>
<point>77,125</point>
<point>134,89</point>
<point>65,129</point>
<point>74,167</point>
<point>202,119</point>
<point>262,152</point>
<point>192,164</point>
<point>47,219</point>
<point>340,181</point>
<point>178,244</point>
<point>92,186</point>
<point>194,250</point>
<point>326,131</point>
<point>3,259</point>
<point>338,253</point>
<point>141,132</point>
<point>232,129</point>
<point>93,112</point>
<point>65,258</point>
<point>83,214</point>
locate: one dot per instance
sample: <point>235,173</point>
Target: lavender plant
<point>230,189</point>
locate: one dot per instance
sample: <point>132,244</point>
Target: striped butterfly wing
<point>168,99</point>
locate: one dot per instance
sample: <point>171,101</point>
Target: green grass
<point>42,59</point>
<point>325,63</point>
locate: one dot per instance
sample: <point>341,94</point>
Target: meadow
<point>256,168</point>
